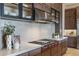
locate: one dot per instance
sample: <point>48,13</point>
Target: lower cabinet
<point>54,49</point>
<point>45,51</point>
<point>72,42</point>
<point>59,48</point>
<point>63,47</point>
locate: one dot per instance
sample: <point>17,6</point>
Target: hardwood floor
<point>72,52</point>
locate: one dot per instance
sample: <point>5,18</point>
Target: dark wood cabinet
<point>38,6</point>
<point>56,48</point>
<point>70,18</point>
<point>77,13</point>
<point>45,51</point>
<point>78,42</point>
<point>72,42</point>
<point>52,49</point>
<point>57,6</point>
<point>59,49</point>
<point>49,4</point>
<point>43,7</point>
<point>63,47</point>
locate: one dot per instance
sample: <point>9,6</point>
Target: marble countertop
<point>24,48</point>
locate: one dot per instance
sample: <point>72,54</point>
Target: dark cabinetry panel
<point>70,18</point>
<point>72,42</point>
<point>77,9</point>
<point>52,49</point>
<point>42,6</point>
<point>63,47</point>
<point>78,42</point>
<point>57,6</point>
<point>46,50</point>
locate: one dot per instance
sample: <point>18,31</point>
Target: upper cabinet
<point>70,18</point>
<point>27,10</point>
<point>11,9</point>
<point>17,10</point>
<point>43,7</point>
<point>57,6</point>
<point>42,12</point>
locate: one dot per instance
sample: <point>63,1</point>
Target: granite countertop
<point>24,48</point>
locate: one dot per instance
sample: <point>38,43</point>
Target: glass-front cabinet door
<point>27,10</point>
<point>23,11</point>
<point>11,9</point>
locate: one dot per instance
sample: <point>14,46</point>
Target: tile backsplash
<point>29,31</point>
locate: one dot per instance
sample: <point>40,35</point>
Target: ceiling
<point>71,5</point>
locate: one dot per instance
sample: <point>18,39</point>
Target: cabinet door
<point>70,19</point>
<point>39,15</point>
<point>47,8</point>
<point>67,19</point>
<point>11,9</point>
<point>52,50</point>
<point>72,42</point>
<point>57,6</point>
<point>49,4</point>
<point>59,49</point>
<point>55,50</point>
<point>46,51</point>
<point>38,6</point>
<point>77,9</point>
<point>78,42</point>
<point>73,18</point>
<point>27,10</point>
<point>42,6</point>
